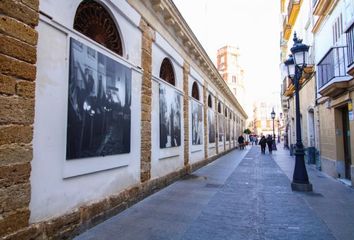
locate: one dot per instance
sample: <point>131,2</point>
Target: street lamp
<point>295,65</point>
<point>272,114</point>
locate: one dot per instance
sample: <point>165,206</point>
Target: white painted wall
<point>164,161</point>
<point>59,185</point>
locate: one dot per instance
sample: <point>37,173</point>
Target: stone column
<point>186,70</point>
<point>148,36</point>
<point>18,56</point>
<point>206,132</point>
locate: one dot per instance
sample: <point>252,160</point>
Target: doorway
<point>346,141</point>
<point>311,128</point>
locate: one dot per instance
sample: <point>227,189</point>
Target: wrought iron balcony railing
<point>333,64</point>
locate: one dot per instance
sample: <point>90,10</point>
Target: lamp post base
<point>301,187</point>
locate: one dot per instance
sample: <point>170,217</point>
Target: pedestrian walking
<point>263,143</point>
<point>241,142</point>
<point>269,143</point>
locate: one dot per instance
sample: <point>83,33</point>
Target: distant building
<point>262,121</point>
<point>231,71</point>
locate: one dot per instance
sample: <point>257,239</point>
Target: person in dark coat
<point>269,143</point>
<point>263,143</point>
<point>241,142</point>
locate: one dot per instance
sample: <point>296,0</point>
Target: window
<point>219,107</point>
<point>166,71</point>
<point>233,79</point>
<point>93,20</point>
<point>337,29</point>
<point>195,91</point>
<point>225,112</point>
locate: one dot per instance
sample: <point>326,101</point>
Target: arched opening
<point>166,71</point>
<point>93,20</point>
<point>210,103</point>
<point>225,112</point>
<point>219,107</point>
<point>195,91</point>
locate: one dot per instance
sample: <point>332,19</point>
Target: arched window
<point>93,20</point>
<point>166,71</point>
<point>219,107</point>
<point>210,103</point>
<point>225,112</point>
<point>195,91</point>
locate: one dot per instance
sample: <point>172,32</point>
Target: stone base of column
<point>301,187</point>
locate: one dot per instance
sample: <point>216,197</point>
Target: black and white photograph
<point>232,130</point>
<point>170,117</point>
<point>211,124</point>
<point>197,123</point>
<point>99,104</point>
<point>221,128</point>
<point>227,122</point>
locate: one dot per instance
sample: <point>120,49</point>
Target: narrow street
<point>242,195</point>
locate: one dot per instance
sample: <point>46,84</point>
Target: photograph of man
<point>211,124</point>
<point>170,117</point>
<point>197,123</point>
<point>99,103</point>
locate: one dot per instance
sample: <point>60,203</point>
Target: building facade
<point>326,91</point>
<point>228,64</point>
<point>103,103</point>
<point>262,120</point>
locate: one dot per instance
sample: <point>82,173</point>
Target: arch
<point>210,102</point>
<point>195,91</point>
<point>166,71</point>
<point>225,112</point>
<point>95,22</point>
<point>219,107</point>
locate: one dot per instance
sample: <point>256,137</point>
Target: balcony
<point>332,72</point>
<point>293,11</point>
<point>350,41</point>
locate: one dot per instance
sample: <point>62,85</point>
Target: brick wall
<point>206,130</point>
<point>18,40</point>
<point>148,36</point>
<point>186,70</point>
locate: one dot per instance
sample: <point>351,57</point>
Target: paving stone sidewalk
<point>242,195</point>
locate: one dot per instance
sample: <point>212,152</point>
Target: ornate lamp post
<point>295,65</point>
<point>274,146</point>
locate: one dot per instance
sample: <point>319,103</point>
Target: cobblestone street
<point>242,195</point>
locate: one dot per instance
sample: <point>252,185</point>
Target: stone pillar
<point>206,132</point>
<point>148,36</point>
<point>216,126</point>
<point>18,56</point>
<point>186,70</point>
